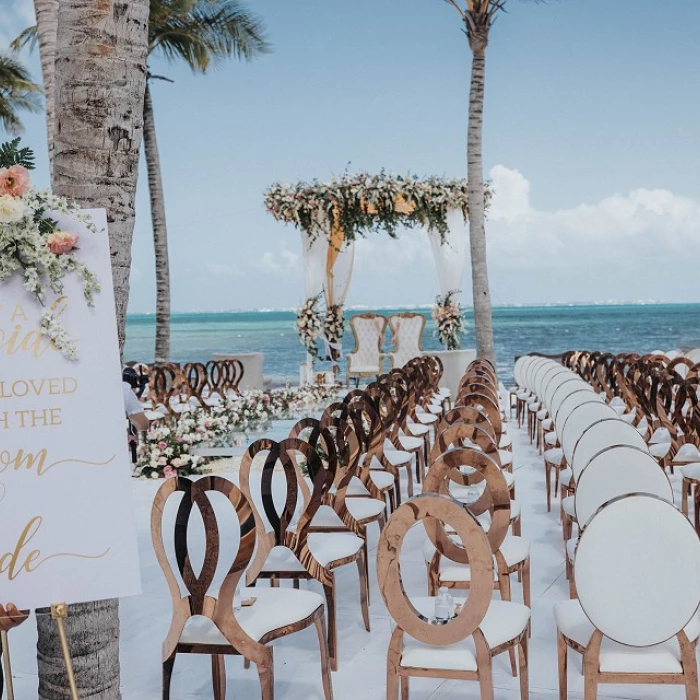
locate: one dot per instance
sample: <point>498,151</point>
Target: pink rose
<point>168,472</point>
<point>61,242</point>
<point>14,181</point>
<point>162,445</point>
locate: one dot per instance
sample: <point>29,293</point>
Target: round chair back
<point>444,511</point>
<point>579,420</point>
<point>552,369</point>
<point>599,436</point>
<point>617,471</point>
<point>554,383</point>
<point>564,391</point>
<point>571,403</point>
<point>627,605</point>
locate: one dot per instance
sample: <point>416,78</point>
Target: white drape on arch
<point>451,255</point>
<point>337,281</point>
<point>314,253</point>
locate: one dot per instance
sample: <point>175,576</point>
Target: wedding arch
<point>331,216</point>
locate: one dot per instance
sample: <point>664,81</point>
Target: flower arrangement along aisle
<point>449,321</point>
<point>32,245</point>
<point>309,325</point>
<point>167,448</point>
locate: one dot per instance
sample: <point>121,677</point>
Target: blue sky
<point>592,141</point>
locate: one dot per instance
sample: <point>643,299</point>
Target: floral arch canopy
<point>332,215</point>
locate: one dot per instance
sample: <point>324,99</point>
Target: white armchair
<point>407,334</point>
<point>366,359</point>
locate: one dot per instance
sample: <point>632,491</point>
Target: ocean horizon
<point>549,329</point>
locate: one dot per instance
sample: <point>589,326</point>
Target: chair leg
<point>524,669</point>
<point>266,672</point>
<point>392,682</point>
<point>218,674</point>
<point>562,653</point>
<point>685,488</point>
<point>168,676</point>
<point>548,484</point>
<point>332,630</point>
<point>409,473</point>
<point>364,587</point>
<point>366,565</point>
<point>486,680</point>
<point>325,661</point>
<point>404,687</point>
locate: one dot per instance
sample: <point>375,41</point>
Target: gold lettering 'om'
<point>29,461</point>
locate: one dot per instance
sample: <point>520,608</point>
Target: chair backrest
<point>553,385</point>
<point>407,333</point>
<point>570,403</point>
<point>579,419</point>
<point>518,368</point>
<point>600,435</point>
<point>633,531</point>
<point>368,330</point>
<point>200,599</point>
<point>564,391</point>
<point>457,434</point>
<point>616,471</point>
<point>417,623</point>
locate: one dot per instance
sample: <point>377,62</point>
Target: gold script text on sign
<point>48,386</point>
<point>16,340</point>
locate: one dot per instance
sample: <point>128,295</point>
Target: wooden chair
<point>366,360</point>
<point>204,620</point>
<point>407,333</point>
<point>633,628</point>
<point>287,549</point>
<point>463,647</point>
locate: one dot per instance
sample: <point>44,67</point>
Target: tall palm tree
<point>100,85</point>
<point>44,33</point>
<point>197,32</point>
<point>478,17</point>
<point>17,93</point>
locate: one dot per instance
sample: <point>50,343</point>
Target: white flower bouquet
<point>449,321</point>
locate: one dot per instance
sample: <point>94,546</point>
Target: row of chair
<point>620,616</point>
<point>302,515</point>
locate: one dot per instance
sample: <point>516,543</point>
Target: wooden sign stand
<point>59,612</point>
<point>7,666</point>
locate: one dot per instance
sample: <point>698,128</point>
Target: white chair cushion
<point>505,441</point>
<point>273,609</point>
<point>426,418</point>
<point>565,477</point>
<point>410,443</point>
<point>617,658</point>
<point>444,392</point>
<point>515,550</point>
<point>398,457</point>
<point>542,414</point>
<point>687,453</point>
<point>660,435</point>
<point>364,369</point>
<point>659,449</point>
<point>506,457</point>
<point>554,456</point>
<point>326,548</point>
<point>382,479</point>
<point>568,507</point>
<point>551,438</point>
<point>547,424</point>
<point>691,471</point>
<point>504,621</point>
<point>417,428</point>
<point>628,417</point>
<point>363,508</point>
<point>571,549</point>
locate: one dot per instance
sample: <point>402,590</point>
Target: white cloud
<point>282,260</point>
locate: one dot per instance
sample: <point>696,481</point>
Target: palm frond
<point>17,93</point>
<point>202,31</point>
<point>27,38</point>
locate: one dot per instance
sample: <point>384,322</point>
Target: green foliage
<point>17,93</point>
<point>11,154</point>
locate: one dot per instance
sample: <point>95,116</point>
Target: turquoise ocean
<point>518,330</point>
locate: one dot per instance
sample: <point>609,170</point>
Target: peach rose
<point>60,242</point>
<point>14,181</point>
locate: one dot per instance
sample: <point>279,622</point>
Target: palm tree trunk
<point>160,232</point>
<point>100,84</point>
<point>483,324</point>
<point>47,30</point>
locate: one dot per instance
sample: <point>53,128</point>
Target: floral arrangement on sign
<point>32,245</point>
<point>166,450</point>
<point>309,325</point>
<point>333,327</point>
<point>365,202</point>
<point>449,321</point>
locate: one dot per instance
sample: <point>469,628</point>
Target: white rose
<point>11,209</point>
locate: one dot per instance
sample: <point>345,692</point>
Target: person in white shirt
<point>134,408</point>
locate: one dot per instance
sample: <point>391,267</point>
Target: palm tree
<point>197,32</point>
<point>99,120</point>
<point>17,93</point>
<point>478,17</point>
<point>44,33</point>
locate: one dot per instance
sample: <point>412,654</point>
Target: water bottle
<point>444,605</point>
<point>237,600</point>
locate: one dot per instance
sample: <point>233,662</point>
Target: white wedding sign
<point>66,524</point>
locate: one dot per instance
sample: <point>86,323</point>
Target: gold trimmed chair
<point>204,620</point>
<point>406,335</point>
<point>366,360</point>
